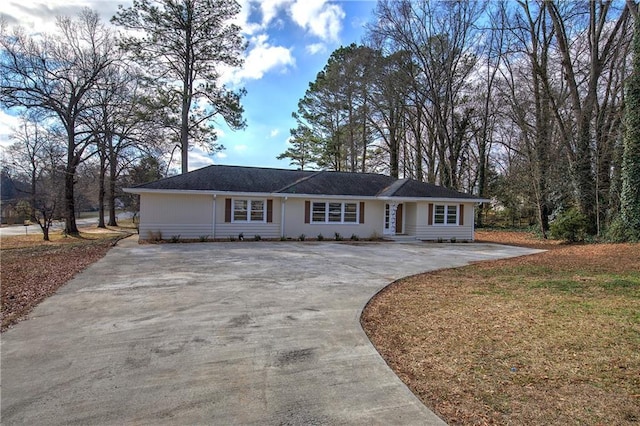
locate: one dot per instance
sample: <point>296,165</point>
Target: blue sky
<point>289,42</point>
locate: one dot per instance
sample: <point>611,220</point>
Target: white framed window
<point>248,210</point>
<point>445,214</point>
<point>334,212</point>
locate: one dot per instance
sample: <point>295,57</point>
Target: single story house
<point>224,201</point>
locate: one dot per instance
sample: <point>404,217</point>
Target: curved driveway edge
<point>219,333</point>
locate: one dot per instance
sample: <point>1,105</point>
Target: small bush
<point>175,238</point>
<point>232,238</point>
<point>337,236</point>
<point>374,236</point>
<point>203,238</point>
<point>241,236</point>
<point>570,225</point>
<point>155,236</point>
<point>453,240</point>
<point>354,237</point>
<point>283,238</point>
<point>257,238</point>
<point>320,237</point>
<point>302,237</point>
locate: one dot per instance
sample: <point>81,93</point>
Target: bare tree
<point>604,36</point>
<point>37,156</point>
<point>56,74</point>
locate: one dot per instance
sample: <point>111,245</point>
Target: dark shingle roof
<point>231,179</point>
<point>265,180</point>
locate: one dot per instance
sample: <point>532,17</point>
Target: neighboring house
<point>224,201</point>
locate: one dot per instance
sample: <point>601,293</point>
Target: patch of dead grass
<point>552,338</point>
<point>33,269</point>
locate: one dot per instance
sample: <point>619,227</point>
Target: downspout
<point>213,224</point>
<point>282,216</point>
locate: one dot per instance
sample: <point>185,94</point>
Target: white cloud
<point>38,15</point>
<point>199,159</point>
<point>8,123</point>
<point>316,48</point>
<point>320,18</point>
<point>274,133</point>
<point>221,155</point>
<point>270,9</point>
<point>262,58</point>
<point>241,148</point>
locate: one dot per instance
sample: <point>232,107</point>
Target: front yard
<point>552,338</point>
<point>33,269</point>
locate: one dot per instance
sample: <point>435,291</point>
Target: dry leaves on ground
<point>551,338</point>
<point>32,269</point>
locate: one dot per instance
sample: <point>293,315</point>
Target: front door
<point>389,227</point>
<point>399,219</point>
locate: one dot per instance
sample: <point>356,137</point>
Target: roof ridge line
<point>303,179</point>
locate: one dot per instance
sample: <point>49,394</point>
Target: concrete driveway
<point>219,333</point>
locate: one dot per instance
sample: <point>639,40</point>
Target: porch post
<point>393,209</point>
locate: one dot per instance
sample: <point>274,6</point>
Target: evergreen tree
<point>187,42</point>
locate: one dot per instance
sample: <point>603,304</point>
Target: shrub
<point>570,225</point>
<point>619,232</point>
<point>283,238</point>
<point>257,238</point>
<point>302,237</point>
<point>338,237</point>
<point>175,238</point>
<point>155,236</point>
<point>354,237</point>
<point>320,237</point>
<point>241,236</point>
<point>203,238</point>
<point>232,238</point>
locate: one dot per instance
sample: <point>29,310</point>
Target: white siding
<point>167,216</point>
<point>410,218</point>
<point>248,229</point>
<point>295,226</point>
<point>424,231</point>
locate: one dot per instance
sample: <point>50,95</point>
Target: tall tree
<point>604,37</point>
<point>187,42</point>
<point>441,39</point>
<point>56,74</point>
<point>630,197</point>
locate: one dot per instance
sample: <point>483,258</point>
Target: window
<point>332,212</point>
<point>240,210</point>
<point>248,210</point>
<point>319,212</point>
<point>445,214</point>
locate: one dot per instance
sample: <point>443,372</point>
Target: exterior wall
<point>424,231</point>
<point>165,216</point>
<point>295,226</point>
<point>410,218</point>
<point>248,229</point>
<point>191,216</point>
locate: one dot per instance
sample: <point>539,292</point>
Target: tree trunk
<point>101,190</point>
<point>113,171</point>
<point>69,182</point>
